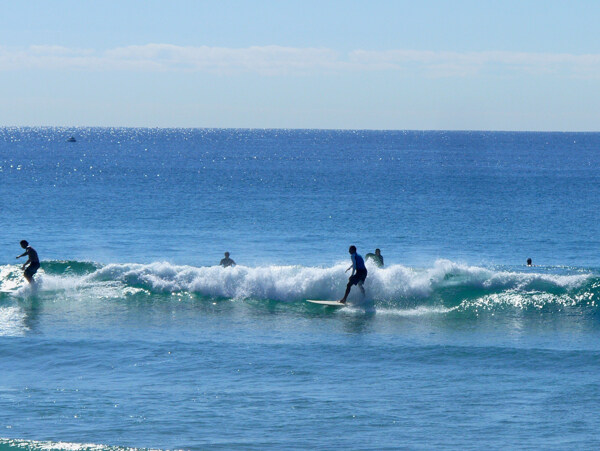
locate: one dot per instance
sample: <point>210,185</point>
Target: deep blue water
<point>134,337</point>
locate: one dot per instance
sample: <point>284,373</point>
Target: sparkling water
<point>134,336</point>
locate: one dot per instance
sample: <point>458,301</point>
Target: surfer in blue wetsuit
<point>33,261</point>
<point>359,273</point>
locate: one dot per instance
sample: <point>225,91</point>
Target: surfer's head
<point>352,249</point>
<point>377,251</point>
<point>24,244</point>
<point>227,254</point>
<point>528,262</point>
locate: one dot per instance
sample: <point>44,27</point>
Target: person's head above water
<point>352,249</point>
<point>528,262</point>
<point>378,251</point>
<point>24,244</point>
<point>227,254</point>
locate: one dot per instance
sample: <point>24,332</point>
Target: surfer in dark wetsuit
<point>359,273</point>
<point>376,257</point>
<point>225,262</point>
<point>33,261</point>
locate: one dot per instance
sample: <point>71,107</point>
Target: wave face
<point>444,286</point>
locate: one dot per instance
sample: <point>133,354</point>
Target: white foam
<point>287,283</point>
<point>11,277</point>
<point>292,283</point>
<point>448,273</point>
<point>63,446</point>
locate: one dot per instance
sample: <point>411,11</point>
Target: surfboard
<point>332,303</point>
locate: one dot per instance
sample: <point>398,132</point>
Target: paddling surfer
<point>33,261</point>
<point>359,273</point>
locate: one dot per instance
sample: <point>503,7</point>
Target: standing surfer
<point>33,261</point>
<point>359,273</point>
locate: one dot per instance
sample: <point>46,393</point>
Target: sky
<point>327,64</point>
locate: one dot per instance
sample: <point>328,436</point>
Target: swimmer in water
<point>376,257</point>
<point>225,262</point>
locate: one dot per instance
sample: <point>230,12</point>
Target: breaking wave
<point>443,287</point>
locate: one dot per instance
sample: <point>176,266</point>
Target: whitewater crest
<point>29,445</point>
<point>446,284</point>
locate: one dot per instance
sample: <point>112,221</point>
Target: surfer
<point>225,262</point>
<point>529,263</point>
<point>376,257</point>
<point>33,261</point>
<point>359,273</point>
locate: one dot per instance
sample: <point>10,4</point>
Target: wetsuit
<point>360,270</point>
<point>34,261</point>
<point>377,259</point>
<point>225,262</point>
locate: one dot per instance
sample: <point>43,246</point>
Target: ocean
<point>133,336</point>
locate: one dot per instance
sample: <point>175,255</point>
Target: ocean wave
<point>446,284</point>
<point>9,443</point>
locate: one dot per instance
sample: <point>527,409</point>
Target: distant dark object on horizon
<point>71,140</point>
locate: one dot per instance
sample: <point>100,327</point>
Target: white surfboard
<point>332,303</point>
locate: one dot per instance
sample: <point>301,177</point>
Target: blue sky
<point>469,65</point>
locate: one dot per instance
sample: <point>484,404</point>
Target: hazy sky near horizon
<point>462,64</point>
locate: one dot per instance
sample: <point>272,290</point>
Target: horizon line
<point>295,128</point>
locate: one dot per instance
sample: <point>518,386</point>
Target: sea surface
<point>134,337</point>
